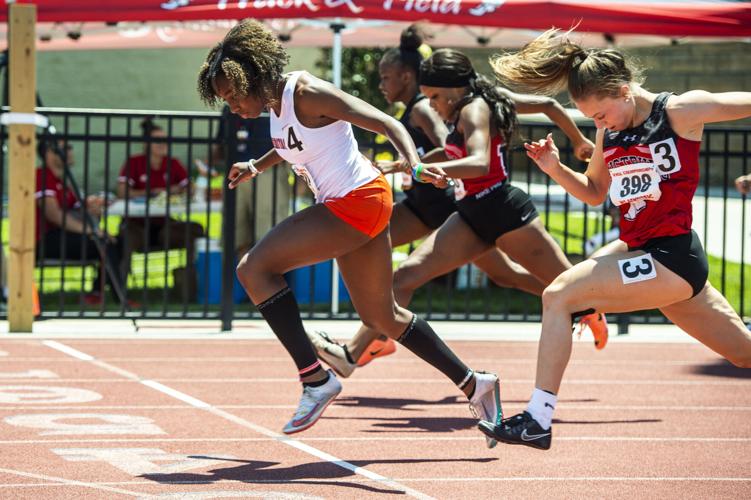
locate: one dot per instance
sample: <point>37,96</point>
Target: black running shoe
<point>519,429</point>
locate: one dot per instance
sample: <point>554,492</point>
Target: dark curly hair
<point>452,65</point>
<point>250,57</point>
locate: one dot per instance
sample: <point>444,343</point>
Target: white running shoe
<point>333,353</point>
<point>486,401</point>
<point>312,403</point>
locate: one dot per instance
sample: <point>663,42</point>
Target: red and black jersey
<point>675,159</point>
<point>456,149</point>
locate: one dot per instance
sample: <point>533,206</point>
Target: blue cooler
<point>300,281</point>
<point>211,288</point>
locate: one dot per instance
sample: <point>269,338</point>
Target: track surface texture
<point>200,418</point>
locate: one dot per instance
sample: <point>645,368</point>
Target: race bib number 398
<point>630,183</point>
<point>635,269</point>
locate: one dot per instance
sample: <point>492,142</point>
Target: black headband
<point>214,66</point>
<point>446,81</point>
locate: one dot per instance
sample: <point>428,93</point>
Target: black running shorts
<point>430,204</point>
<point>682,254</point>
<point>496,211</point>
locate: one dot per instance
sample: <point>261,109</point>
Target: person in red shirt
<point>646,160</point>
<point>147,175</point>
<point>61,230</point>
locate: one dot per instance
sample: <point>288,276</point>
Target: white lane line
<point>343,405</point>
<point>72,482</point>
<point>68,350</point>
<point>378,439</point>
<point>431,480</point>
<point>181,396</point>
<point>385,380</point>
<point>391,360</point>
<point>579,479</point>
<point>240,421</point>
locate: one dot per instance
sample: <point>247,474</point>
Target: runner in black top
<point>492,214</point>
<point>426,207</point>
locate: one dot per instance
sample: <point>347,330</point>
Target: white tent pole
<point>336,57</point>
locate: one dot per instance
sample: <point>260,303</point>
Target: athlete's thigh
<point>367,273</point>
<point>306,237</point>
<point>405,226</point>
<point>495,263</point>
<point>445,249</point>
<point>615,246</point>
<point>610,284</point>
<point>710,319</point>
<point>533,247</point>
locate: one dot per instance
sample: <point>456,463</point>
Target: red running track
<point>202,418</point>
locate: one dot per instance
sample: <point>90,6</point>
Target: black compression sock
<point>283,316</point>
<point>420,338</point>
<point>318,383</point>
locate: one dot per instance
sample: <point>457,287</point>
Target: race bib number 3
<point>636,269</point>
<point>630,183</point>
<point>665,157</point>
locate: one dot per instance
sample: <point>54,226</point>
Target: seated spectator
<point>743,184</point>
<point>62,231</point>
<point>150,174</point>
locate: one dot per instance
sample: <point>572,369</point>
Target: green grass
<point>152,274</point>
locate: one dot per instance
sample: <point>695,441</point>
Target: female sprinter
<point>311,129</point>
<point>426,207</point>
<point>492,215</point>
<point>647,160</point>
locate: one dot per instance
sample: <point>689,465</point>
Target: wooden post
<point>21,179</point>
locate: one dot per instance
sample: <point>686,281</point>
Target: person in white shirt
<point>311,128</point>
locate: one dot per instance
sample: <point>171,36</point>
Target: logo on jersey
<point>292,142</point>
<point>453,151</point>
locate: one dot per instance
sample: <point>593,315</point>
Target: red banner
<point>716,19</point>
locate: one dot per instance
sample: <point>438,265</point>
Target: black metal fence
<point>184,265</point>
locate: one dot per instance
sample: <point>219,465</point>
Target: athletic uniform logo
<point>291,142</point>
<point>532,437</point>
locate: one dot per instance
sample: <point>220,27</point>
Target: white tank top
<point>327,157</point>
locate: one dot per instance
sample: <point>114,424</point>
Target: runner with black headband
<point>491,215</point>
<point>425,206</point>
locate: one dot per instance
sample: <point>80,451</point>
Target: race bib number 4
<point>630,183</point>
<point>636,269</point>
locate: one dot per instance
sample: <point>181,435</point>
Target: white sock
<point>541,407</point>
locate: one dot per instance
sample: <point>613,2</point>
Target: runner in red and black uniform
<point>647,160</point>
<point>425,207</point>
<point>492,215</point>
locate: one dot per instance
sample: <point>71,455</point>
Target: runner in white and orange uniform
<point>311,128</point>
<point>646,160</point>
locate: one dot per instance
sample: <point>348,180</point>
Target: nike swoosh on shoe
<point>306,417</point>
<point>532,437</point>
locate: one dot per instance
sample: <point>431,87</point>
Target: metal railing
<point>195,279</point>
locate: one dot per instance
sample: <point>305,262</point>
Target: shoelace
<point>516,422</point>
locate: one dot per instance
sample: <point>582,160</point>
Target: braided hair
<point>250,57</point>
